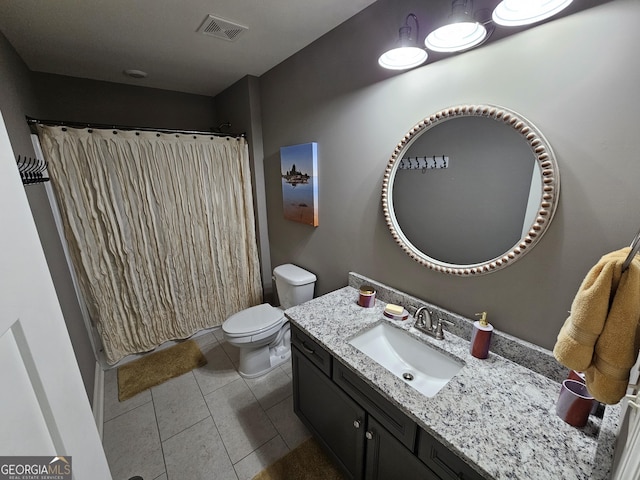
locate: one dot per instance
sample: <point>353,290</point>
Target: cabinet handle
<point>310,351</point>
<point>356,423</point>
<point>369,435</point>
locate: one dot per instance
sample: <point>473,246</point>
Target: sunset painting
<point>299,169</point>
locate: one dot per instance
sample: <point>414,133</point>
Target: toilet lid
<point>252,320</point>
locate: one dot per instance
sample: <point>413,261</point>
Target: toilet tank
<point>295,285</point>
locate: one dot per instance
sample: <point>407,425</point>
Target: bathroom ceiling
<point>99,39</point>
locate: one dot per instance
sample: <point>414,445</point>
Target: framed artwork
<point>299,169</point>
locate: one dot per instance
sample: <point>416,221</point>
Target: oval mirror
<point>470,189</point>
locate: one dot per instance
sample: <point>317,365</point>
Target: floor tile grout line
<point>289,447</point>
<point>198,422</point>
<point>155,414</point>
<point>186,428</point>
<point>215,424</point>
<point>275,427</point>
<point>128,411</point>
<point>215,340</point>
<point>211,409</point>
<point>289,380</point>
<point>257,402</point>
<point>260,446</point>
<point>218,343</point>
<point>116,392</point>
<point>221,386</point>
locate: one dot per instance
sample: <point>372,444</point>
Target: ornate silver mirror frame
<point>547,168</point>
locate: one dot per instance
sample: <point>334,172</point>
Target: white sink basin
<point>416,363</point>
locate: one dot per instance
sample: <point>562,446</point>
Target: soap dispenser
<point>481,336</point>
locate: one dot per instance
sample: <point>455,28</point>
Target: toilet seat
<point>255,322</point>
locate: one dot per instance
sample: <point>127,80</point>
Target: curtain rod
<point>100,126</point>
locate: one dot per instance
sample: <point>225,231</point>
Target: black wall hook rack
<point>32,170</point>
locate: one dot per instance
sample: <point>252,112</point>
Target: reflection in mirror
<point>470,189</point>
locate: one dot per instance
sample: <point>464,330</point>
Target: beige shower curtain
<point>160,228</point>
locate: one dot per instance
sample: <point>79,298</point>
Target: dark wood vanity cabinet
<point>367,436</point>
<point>387,458</point>
<point>443,461</point>
<point>335,419</point>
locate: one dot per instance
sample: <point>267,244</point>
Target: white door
<point>44,410</point>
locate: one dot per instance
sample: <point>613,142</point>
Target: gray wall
<point>16,97</point>
<point>73,99</point>
<point>81,100</point>
<point>575,78</point>
<point>240,106</point>
<point>16,101</point>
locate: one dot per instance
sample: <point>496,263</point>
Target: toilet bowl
<point>262,333</point>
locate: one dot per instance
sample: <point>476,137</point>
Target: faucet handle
<point>440,329</point>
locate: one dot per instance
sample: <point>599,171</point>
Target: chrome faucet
<point>421,321</point>
<point>425,323</point>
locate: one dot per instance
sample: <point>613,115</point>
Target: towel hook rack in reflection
<point>32,170</point>
<point>635,246</point>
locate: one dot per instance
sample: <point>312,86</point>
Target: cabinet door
<point>391,418</point>
<point>336,420</point>
<point>443,461</point>
<point>387,458</point>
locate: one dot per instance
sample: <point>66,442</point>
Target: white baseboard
<point>98,398</point>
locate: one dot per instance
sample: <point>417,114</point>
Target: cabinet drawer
<point>397,423</point>
<point>312,350</point>
<point>443,461</point>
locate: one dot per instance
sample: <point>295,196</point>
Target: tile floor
<point>208,424</point>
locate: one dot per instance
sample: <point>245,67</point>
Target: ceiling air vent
<point>221,28</point>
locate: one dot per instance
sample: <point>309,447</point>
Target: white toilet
<point>262,332</point>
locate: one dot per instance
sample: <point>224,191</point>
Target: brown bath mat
<point>306,462</point>
<point>157,368</point>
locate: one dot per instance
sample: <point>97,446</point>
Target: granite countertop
<point>496,414</point>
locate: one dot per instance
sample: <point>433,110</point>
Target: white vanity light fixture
<point>461,33</point>
<point>407,53</point>
<point>513,13</point>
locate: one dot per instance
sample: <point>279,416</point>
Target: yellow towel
<point>600,337</point>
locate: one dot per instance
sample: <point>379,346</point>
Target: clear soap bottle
<point>481,337</point>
